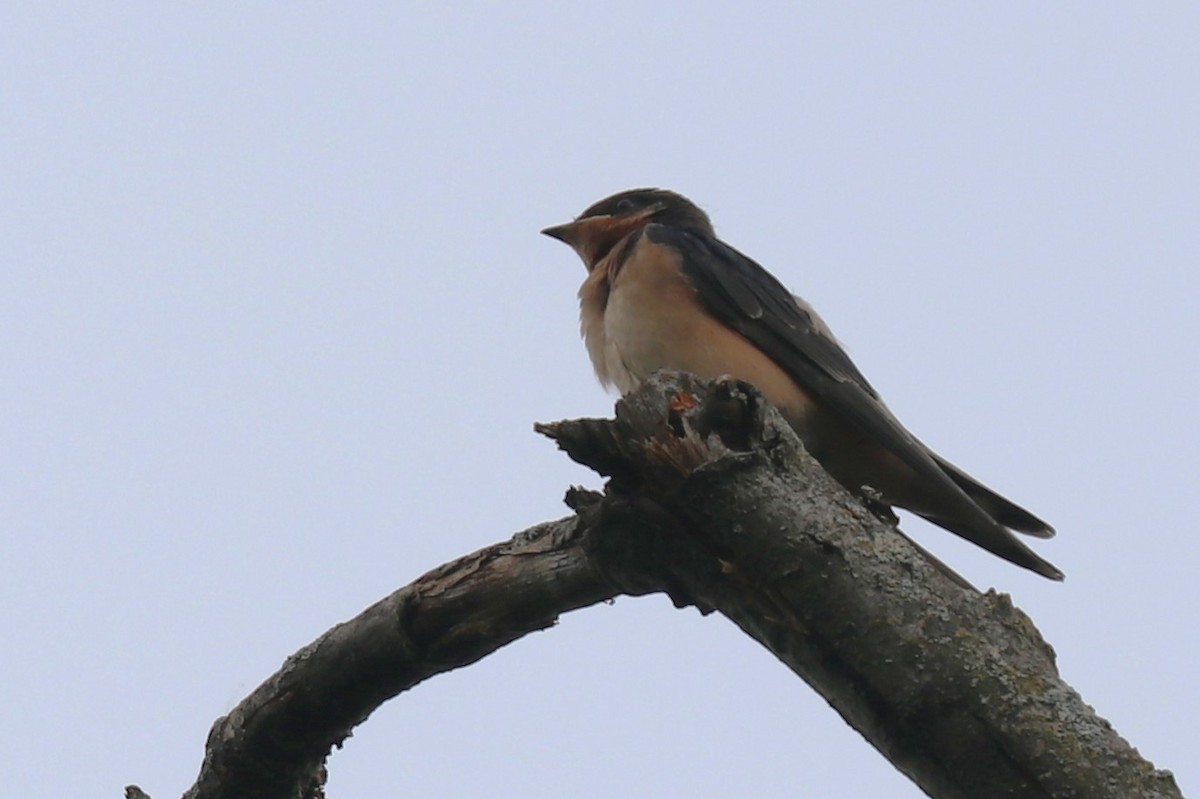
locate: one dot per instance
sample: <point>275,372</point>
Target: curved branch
<point>713,500</point>
<point>274,743</point>
<point>956,688</point>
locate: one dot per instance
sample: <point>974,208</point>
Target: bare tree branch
<point>955,688</point>
<point>714,501</point>
<point>274,743</point>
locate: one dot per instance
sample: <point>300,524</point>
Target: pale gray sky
<point>278,321</point>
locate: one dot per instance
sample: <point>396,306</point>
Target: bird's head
<point>594,232</point>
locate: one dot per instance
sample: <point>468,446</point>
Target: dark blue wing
<point>747,298</point>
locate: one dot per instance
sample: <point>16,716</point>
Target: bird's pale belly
<point>652,321</point>
<point>639,342</point>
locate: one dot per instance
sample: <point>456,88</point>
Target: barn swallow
<point>663,292</point>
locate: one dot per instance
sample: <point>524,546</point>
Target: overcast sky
<point>277,322</point>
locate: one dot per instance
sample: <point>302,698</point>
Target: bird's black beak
<point>563,233</point>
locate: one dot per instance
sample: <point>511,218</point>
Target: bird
<point>662,291</point>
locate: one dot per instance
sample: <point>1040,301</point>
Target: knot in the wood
<point>672,425</point>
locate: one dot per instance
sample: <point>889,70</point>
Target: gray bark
<point>713,500</point>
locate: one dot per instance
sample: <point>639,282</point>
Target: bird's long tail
<point>1004,511</point>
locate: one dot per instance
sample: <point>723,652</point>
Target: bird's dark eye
<point>625,205</point>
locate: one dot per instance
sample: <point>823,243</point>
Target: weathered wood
<point>274,743</point>
<point>713,500</point>
<point>955,687</point>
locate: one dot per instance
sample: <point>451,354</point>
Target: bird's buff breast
<point>641,315</point>
<point>634,310</point>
